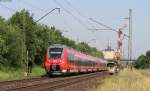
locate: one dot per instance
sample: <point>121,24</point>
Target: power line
<point>33,6</point>
<point>67,11</point>
<point>82,15</point>
<point>108,28</point>
<point>66,1</point>
<point>85,17</point>
<point>10,9</point>
<point>66,23</point>
<point>96,29</point>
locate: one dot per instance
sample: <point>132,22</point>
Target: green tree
<point>25,22</point>
<point>21,35</point>
<point>10,45</point>
<point>143,61</point>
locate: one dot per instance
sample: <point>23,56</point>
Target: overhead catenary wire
<point>81,14</point>
<point>90,23</point>
<point>96,29</point>
<point>8,8</point>
<point>66,23</point>
<point>107,27</point>
<point>38,8</point>
<point>66,1</point>
<point>67,11</point>
<point>33,6</point>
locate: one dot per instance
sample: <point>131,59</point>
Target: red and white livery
<point>61,59</point>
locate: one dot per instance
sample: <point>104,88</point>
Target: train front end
<point>55,61</point>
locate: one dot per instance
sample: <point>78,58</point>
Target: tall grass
<point>16,74</point>
<point>127,80</point>
<point>11,74</point>
<point>38,71</point>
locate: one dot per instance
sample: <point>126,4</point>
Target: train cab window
<point>55,52</point>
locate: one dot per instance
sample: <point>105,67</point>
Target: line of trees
<point>143,61</point>
<point>21,38</point>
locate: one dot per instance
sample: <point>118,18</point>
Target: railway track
<point>47,84</point>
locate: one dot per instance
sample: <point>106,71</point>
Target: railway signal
<point>120,38</point>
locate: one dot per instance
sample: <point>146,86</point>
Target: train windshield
<point>55,52</point>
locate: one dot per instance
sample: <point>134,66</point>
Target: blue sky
<point>109,12</point>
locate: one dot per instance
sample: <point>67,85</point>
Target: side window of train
<point>70,57</point>
<point>76,59</point>
<point>89,63</point>
<point>79,62</point>
<point>93,63</point>
<point>73,57</point>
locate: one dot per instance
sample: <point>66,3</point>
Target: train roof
<point>73,50</point>
<point>58,46</point>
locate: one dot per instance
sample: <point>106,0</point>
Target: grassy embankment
<point>127,80</point>
<point>8,74</point>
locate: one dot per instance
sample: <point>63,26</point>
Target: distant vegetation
<point>21,35</point>
<point>143,61</point>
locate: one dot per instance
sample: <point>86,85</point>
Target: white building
<point>108,53</point>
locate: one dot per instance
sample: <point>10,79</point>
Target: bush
<point>143,61</point>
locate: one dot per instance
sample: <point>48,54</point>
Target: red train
<point>61,59</point>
